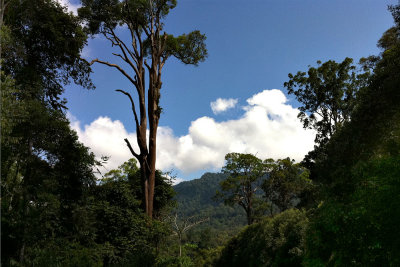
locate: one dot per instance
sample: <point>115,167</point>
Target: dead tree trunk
<point>144,22</point>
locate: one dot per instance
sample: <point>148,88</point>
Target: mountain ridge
<point>195,198</point>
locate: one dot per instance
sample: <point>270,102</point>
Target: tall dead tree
<point>145,53</point>
<point>179,228</point>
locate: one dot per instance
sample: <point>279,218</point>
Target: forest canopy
<point>338,206</point>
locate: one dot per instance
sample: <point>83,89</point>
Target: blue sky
<point>252,47</point>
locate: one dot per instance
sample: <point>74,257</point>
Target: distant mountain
<point>195,197</point>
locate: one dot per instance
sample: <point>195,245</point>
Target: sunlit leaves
<point>327,94</point>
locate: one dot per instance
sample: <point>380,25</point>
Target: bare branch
<point>164,59</point>
<point>146,32</point>
<point>140,42</point>
<point>119,55</point>
<point>147,65</point>
<point>191,225</point>
<point>133,107</point>
<point>110,39</point>
<point>131,149</point>
<point>125,50</point>
<point>134,32</point>
<point>114,66</point>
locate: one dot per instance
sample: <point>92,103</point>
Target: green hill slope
<point>195,198</point>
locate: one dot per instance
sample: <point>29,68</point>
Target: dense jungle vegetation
<point>339,207</point>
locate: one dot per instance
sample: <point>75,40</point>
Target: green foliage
<point>362,230</point>
<point>53,211</point>
<point>43,51</point>
<point>356,221</point>
<point>137,15</point>
<point>42,191</point>
<point>172,261</point>
<point>129,173</point>
<point>244,178</point>
<point>276,241</point>
<point>285,184</point>
<point>45,171</point>
<point>62,253</point>
<point>190,48</point>
<point>119,220</point>
<point>327,95</point>
<point>195,197</point>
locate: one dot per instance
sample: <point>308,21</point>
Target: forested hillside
<point>197,198</point>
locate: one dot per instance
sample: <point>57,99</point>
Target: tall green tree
<point>144,20</point>
<point>285,184</point>
<point>244,179</point>
<point>45,171</point>
<point>327,94</point>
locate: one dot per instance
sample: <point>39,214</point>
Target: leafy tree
<point>285,184</point>
<point>355,222</point>
<point>3,6</point>
<point>144,21</point>
<point>275,241</point>
<point>46,173</point>
<point>45,189</point>
<point>43,52</point>
<point>120,222</point>
<point>327,94</point>
<point>244,179</point>
<point>360,230</point>
<point>129,172</point>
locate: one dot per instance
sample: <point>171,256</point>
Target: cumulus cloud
<point>177,181</point>
<point>70,6</point>
<point>105,138</point>
<point>268,128</point>
<point>221,104</point>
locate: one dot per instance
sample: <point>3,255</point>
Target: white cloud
<point>105,138</point>
<point>71,7</point>
<point>269,128</point>
<point>221,105</point>
<point>177,181</point>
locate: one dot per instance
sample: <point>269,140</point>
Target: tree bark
<point>249,217</point>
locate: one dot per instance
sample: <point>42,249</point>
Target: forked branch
<point>133,107</point>
<point>114,66</point>
<point>131,149</point>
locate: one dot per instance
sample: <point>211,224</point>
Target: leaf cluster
<point>244,178</point>
<point>285,184</point>
<point>43,49</point>
<point>327,94</point>
<point>188,48</point>
<point>277,241</point>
